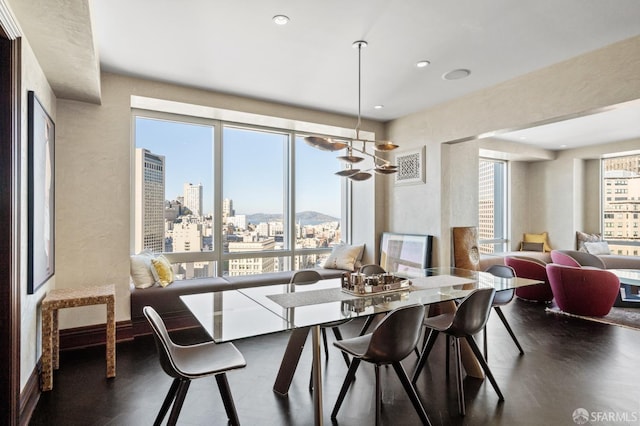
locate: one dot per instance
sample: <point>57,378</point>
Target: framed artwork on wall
<point>41,194</point>
<point>411,169</point>
<point>405,252</point>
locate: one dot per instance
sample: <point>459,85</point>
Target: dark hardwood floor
<point>568,364</point>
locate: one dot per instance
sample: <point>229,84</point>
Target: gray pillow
<point>531,246</point>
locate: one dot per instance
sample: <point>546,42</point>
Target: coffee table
<point>629,295</point>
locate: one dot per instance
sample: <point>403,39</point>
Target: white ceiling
<point>234,46</point>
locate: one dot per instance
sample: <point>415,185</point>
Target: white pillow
<point>597,247</point>
<point>345,257</point>
<point>142,270</point>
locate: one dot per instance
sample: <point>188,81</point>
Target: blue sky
<point>253,167</point>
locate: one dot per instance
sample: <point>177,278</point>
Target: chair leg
<point>338,336</point>
<point>351,374</point>
<point>447,356</point>
<point>484,341</point>
<point>378,394</point>
<point>227,399</point>
<point>171,395</point>
<point>183,387</point>
<point>508,327</point>
<point>460,386</point>
<point>485,367</point>
<point>411,392</point>
<point>324,340</point>
<point>425,354</point>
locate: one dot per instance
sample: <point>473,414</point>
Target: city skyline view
<point>253,165</point>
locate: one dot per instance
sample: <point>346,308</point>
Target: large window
<point>256,199</point>
<point>621,204</point>
<point>492,209</point>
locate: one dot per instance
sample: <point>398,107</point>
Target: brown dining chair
<point>469,318</point>
<point>392,341</point>
<point>371,269</point>
<point>502,298</point>
<point>185,363</point>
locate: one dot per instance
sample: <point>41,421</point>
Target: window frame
<point>501,183</point>
<point>217,254</point>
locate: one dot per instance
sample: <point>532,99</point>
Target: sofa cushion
<point>141,270</point>
<point>345,257</point>
<point>583,237</point>
<point>163,269</point>
<point>616,261</point>
<point>167,299</point>
<point>526,246</point>
<point>538,238</point>
<point>597,247</point>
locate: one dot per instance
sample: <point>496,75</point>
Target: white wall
<point>30,326</point>
<point>586,83</point>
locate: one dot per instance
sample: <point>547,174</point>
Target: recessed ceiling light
<point>456,74</point>
<point>422,64</point>
<point>281,19</point>
<point>378,107</point>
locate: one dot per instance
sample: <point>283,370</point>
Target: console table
<point>69,298</point>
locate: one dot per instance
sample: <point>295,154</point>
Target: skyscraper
<point>193,198</point>
<point>227,209</point>
<point>149,201</point>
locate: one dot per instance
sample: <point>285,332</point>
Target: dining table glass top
<point>234,314</point>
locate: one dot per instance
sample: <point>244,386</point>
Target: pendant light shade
<point>381,165</point>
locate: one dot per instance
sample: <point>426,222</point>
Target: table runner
<point>315,297</point>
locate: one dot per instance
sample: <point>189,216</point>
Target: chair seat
<point>440,322</point>
<point>502,297</point>
<point>356,346</point>
<point>206,359</point>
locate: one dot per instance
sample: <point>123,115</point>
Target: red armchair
<point>583,291</point>
<point>534,269</point>
<point>576,258</point>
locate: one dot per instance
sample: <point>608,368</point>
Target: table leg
<point>290,360</point>
<point>111,338</point>
<point>317,376</point>
<point>47,329</point>
<point>55,336</point>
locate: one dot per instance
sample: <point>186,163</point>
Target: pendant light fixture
<point>357,145</point>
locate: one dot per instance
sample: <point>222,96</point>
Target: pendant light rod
<point>359,45</point>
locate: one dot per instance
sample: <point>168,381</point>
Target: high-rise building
<point>193,198</point>
<point>621,204</point>
<point>227,209</point>
<point>149,201</point>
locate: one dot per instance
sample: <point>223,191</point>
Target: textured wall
<point>30,343</point>
<point>588,82</point>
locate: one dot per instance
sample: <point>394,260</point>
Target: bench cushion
<point>167,299</point>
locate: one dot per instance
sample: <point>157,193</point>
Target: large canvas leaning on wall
<point>41,137</point>
<point>405,252</point>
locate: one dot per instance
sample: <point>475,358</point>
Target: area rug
<point>624,317</point>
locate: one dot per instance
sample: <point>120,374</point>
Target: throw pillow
<point>142,270</point>
<point>583,237</point>
<point>345,257</point>
<point>164,270</point>
<point>538,238</point>
<point>525,246</point>
<point>597,247</point>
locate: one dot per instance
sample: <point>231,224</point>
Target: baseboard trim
<point>30,396</point>
<point>93,335</point>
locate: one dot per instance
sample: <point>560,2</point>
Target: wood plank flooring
<point>568,364</point>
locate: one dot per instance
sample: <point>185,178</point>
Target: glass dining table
<point>242,313</point>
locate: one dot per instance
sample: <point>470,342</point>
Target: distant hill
<point>304,218</point>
